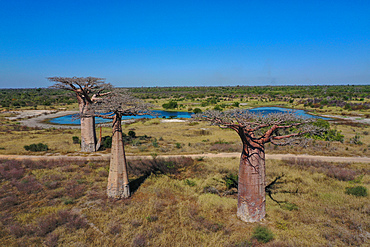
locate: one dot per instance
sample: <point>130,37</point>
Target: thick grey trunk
<point>118,185</point>
<point>88,134</point>
<point>251,186</point>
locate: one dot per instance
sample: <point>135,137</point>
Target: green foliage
<point>76,140</point>
<point>231,180</point>
<point>189,182</point>
<point>357,191</point>
<point>106,142</point>
<point>328,134</point>
<point>356,140</point>
<point>322,123</point>
<point>170,105</point>
<point>131,134</point>
<point>36,147</point>
<point>262,234</point>
<point>152,218</point>
<point>236,104</point>
<point>178,145</point>
<point>217,108</point>
<point>16,98</point>
<point>155,143</point>
<point>289,206</point>
<point>197,110</point>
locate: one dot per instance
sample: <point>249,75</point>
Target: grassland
<point>186,202</point>
<point>156,137</point>
<point>182,202</point>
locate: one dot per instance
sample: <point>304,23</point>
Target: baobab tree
<point>114,106</point>
<point>87,90</point>
<point>255,131</point>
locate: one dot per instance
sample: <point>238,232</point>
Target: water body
<point>72,119</point>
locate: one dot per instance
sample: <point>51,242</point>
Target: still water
<point>71,119</point>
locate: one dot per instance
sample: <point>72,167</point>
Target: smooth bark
<point>251,185</point>
<point>118,184</point>
<point>88,133</point>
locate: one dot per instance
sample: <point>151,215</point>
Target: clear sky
<point>185,43</point>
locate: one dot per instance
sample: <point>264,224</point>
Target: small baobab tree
<point>255,131</point>
<point>115,106</point>
<point>87,90</point>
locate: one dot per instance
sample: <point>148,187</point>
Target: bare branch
<point>290,125</point>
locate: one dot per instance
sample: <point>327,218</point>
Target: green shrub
<point>75,140</point>
<point>170,105</point>
<point>262,234</point>
<point>36,147</point>
<point>236,104</point>
<point>155,143</point>
<point>357,191</point>
<point>289,206</point>
<point>106,142</point>
<point>189,182</point>
<point>197,110</point>
<point>231,180</point>
<point>217,108</point>
<point>131,134</point>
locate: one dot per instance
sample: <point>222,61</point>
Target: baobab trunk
<point>118,185</point>
<point>251,185</point>
<point>88,134</point>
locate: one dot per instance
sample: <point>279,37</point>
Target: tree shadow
<point>136,183</point>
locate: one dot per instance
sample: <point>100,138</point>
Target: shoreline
<point>38,119</point>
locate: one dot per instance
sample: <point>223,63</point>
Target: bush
<point>106,142</point>
<point>262,234</point>
<point>236,104</point>
<point>231,180</point>
<point>36,147</point>
<point>357,191</point>
<point>155,143</point>
<point>131,134</point>
<point>170,105</point>
<point>197,110</point>
<point>76,140</point>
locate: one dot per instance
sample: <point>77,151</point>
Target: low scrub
<point>357,191</point>
<point>36,147</point>
<point>262,234</point>
<point>339,171</point>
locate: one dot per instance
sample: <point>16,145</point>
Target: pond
<point>71,119</point>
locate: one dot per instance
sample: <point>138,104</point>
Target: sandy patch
<point>29,114</point>
<point>172,121</point>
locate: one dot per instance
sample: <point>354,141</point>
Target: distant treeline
<point>15,98</point>
<point>343,92</point>
<point>313,96</point>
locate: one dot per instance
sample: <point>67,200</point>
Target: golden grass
<point>177,138</point>
<point>167,211</point>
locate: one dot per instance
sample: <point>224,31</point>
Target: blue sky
<point>185,43</point>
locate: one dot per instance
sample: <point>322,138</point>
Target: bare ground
<point>97,157</point>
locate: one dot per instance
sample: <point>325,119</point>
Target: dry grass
<point>64,203</point>
<point>178,138</point>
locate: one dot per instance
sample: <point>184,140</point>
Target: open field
<point>64,203</point>
<point>185,201</point>
<point>158,137</point>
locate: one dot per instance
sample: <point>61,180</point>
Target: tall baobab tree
<point>255,131</point>
<point>118,104</point>
<point>87,90</point>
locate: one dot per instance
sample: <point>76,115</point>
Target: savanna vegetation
<point>184,201</point>
<point>178,202</point>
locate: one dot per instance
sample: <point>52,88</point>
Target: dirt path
<point>97,157</point>
<point>38,121</point>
